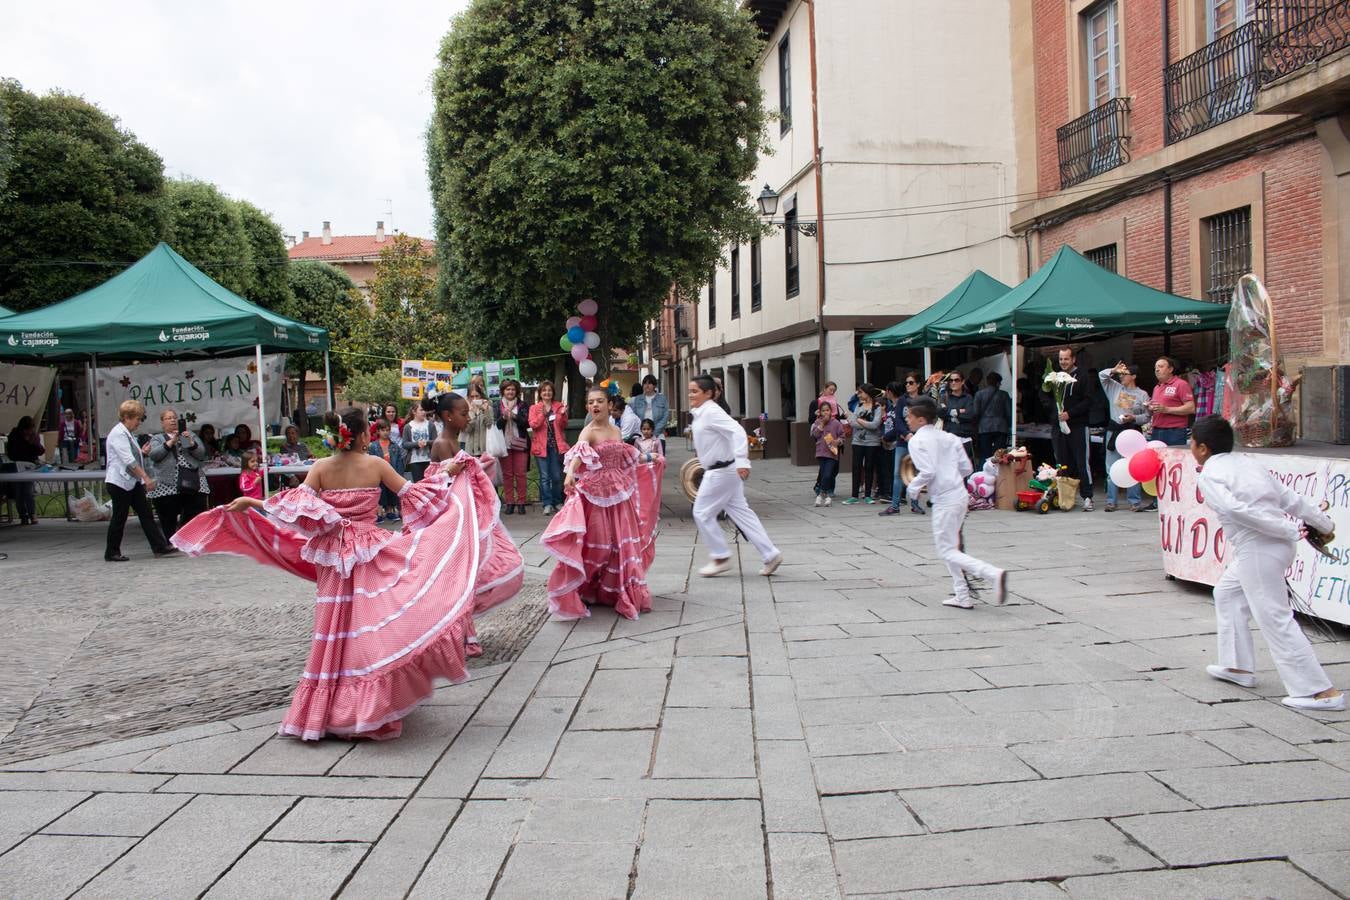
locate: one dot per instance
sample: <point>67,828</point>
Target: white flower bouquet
<point>1057,383</point>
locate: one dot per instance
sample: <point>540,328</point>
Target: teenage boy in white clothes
<point>1251,505</point>
<point>943,465</point>
<point>723,449</point>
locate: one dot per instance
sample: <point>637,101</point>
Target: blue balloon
<point>576,334</point>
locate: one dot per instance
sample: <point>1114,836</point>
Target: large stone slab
<point>1031,802</point>
<point>724,837</point>
<point>213,755</point>
<point>612,821</point>
<point>1241,833</point>
<point>789,787</point>
<point>622,699</point>
<point>571,870</point>
<point>857,710</point>
<point>1024,852</point>
<point>275,869</point>
<point>989,730</point>
<point>56,866</point>
<point>28,811</point>
<point>286,756</point>
<point>426,734</point>
<point>705,743</point>
<point>802,866</point>
<point>461,766</point>
<point>530,743</point>
<point>852,816</point>
<point>1147,753</point>
<point>710,681</point>
<point>117,815</point>
<point>1279,782</point>
<point>286,785</point>
<point>602,754</point>
<point>1246,880</point>
<point>393,864</point>
<point>185,855</point>
<point>920,768</point>
<point>468,860</point>
<point>336,819</point>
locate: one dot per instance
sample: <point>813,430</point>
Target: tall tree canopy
<point>589,148</point>
<point>324,295</point>
<point>406,321</point>
<point>81,190</point>
<point>207,229</point>
<point>267,248</point>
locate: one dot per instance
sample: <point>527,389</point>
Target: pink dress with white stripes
<point>604,538</point>
<point>393,610</point>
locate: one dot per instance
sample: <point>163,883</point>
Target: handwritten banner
<point>24,390</point>
<point>1193,544</point>
<point>222,392</point>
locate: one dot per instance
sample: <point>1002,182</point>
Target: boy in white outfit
<point>943,465</point>
<point>1251,505</point>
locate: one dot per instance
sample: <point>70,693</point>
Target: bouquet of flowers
<point>1057,383</point>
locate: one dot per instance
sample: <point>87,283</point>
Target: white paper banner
<point>24,391</point>
<point>1192,541</point>
<point>222,392</point>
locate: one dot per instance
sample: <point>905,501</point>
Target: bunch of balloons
<point>581,337</point>
<point>1139,463</point>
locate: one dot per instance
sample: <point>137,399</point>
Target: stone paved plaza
<point>832,731</point>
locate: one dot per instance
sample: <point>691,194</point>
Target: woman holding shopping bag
<point>513,418</point>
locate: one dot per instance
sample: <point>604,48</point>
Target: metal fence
<point>1216,83</point>
<point>1295,33</point>
<point>1094,143</point>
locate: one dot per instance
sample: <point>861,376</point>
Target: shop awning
<point>160,307</point>
<point>1070,298</point>
<point>974,292</point>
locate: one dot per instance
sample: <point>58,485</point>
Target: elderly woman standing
<point>176,464</point>
<point>128,482</point>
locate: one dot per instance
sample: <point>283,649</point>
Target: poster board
<point>1192,541</point>
<point>494,372</point>
<point>415,373</point>
<point>24,391</point>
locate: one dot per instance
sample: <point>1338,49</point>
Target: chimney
<point>327,233</point>
<point>379,232</point>
<point>304,235</point>
<point>290,240</point>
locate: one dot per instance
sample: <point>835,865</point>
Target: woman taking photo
<point>723,449</point>
<point>548,443</point>
<point>513,418</point>
<point>866,420</point>
<point>177,458</point>
<point>474,437</point>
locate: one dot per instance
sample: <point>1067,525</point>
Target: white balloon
<point>574,320</point>
<point>592,340</point>
<point>1128,443</point>
<point>1120,469</point>
<point>587,307</point>
<point>587,368</point>
<point>1157,445</point>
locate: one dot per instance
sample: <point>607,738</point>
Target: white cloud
<point>310,111</point>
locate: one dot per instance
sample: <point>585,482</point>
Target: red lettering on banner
<point>1174,482</point>
<point>1165,524</point>
<point>1219,546</point>
<point>1199,538</point>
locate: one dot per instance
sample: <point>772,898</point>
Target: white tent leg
<point>864,365</point>
<point>1014,370</point>
<point>927,362</point>
<point>327,382</point>
<point>93,409</point>
<point>262,417</point>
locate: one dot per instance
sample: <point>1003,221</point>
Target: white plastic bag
<point>86,508</point>
<point>496,441</point>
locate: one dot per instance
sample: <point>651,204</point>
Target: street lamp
<point>768,205</point>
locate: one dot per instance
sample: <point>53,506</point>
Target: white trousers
<point>723,491</point>
<point>949,512</point>
<point>1253,584</point>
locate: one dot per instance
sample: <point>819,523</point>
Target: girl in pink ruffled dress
<point>393,610</point>
<point>604,537</point>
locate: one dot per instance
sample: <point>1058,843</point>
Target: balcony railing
<point>1094,143</point>
<point>684,334</point>
<point>1212,85</point>
<point>659,345</point>
<point>1296,33</point>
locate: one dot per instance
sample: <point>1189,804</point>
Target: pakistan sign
<point>222,392</point>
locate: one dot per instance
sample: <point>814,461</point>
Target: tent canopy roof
<point>971,294</point>
<point>161,307</point>
<point>1070,298</point>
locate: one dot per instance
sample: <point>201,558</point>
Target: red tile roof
<point>347,246</point>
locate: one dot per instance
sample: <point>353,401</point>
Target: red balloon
<point>588,323</point>
<point>1145,464</point>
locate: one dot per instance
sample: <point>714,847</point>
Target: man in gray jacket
<point>993,416</point>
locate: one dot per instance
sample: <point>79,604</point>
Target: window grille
<point>1230,252</point>
<point>1104,257</point>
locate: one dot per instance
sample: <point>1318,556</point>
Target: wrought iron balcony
<point>1212,85</point>
<point>1094,143</point>
<point>659,345</point>
<point>1296,33</point>
<point>684,334</point>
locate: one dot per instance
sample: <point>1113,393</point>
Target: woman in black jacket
<point>25,445</point>
<point>512,415</point>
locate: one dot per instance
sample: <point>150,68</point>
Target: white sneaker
<point>1241,679</point>
<point>772,565</point>
<point>820,499</point>
<point>1087,504</point>
<point>1323,704</point>
<point>829,501</point>
<point>715,567</point>
<point>958,603</point>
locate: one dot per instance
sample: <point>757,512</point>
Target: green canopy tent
<point>974,292</point>
<point>161,307</point>
<point>5,312</point>
<point>1071,298</point>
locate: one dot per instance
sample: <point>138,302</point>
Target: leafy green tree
<point>589,148</point>
<point>83,202</point>
<point>207,229</point>
<point>406,321</point>
<point>268,278</point>
<point>6,152</point>
<point>324,295</point>
<point>379,386</point>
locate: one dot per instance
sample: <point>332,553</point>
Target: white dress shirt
<point>718,437</point>
<point>1250,503</point>
<point>941,459</point>
<point>630,423</point>
<point>124,454</point>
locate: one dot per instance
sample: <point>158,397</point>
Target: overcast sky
<point>310,111</point>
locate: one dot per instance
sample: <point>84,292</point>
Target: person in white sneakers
<point>1251,505</point>
<point>941,460</point>
<point>723,448</point>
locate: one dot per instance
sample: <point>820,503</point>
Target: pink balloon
<point>579,352</point>
<point>1128,443</point>
<point>572,322</point>
<point>588,323</point>
<point>588,307</point>
<point>1157,445</point>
